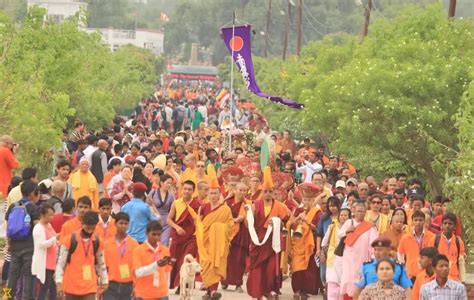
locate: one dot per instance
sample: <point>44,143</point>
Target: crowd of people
<point>187,174</point>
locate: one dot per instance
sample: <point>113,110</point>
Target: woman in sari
<point>122,190</point>
<point>161,200</point>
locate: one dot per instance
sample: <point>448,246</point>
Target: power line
<point>311,24</point>
<point>313,17</point>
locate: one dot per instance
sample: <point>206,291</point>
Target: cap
<point>209,151</point>
<point>381,242</point>
<point>340,184</point>
<point>141,159</point>
<point>363,185</point>
<point>139,187</point>
<point>352,180</point>
<point>415,192</point>
<point>309,190</point>
<point>47,183</point>
<point>399,191</point>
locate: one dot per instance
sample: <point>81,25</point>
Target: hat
<point>232,174</point>
<point>113,158</point>
<point>139,187</point>
<point>352,180</point>
<point>209,151</point>
<point>363,185</point>
<point>212,177</point>
<point>381,242</point>
<point>340,184</point>
<point>309,190</point>
<point>141,159</point>
<point>47,183</point>
<point>415,192</point>
<point>267,178</point>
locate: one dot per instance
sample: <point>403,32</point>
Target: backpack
<point>19,222</point>
<point>436,245</point>
<point>73,246</point>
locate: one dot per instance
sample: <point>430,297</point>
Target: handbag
<point>339,251</point>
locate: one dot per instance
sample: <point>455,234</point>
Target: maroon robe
<point>239,248</point>
<point>265,273</point>
<point>183,244</point>
<point>256,196</point>
<point>308,281</point>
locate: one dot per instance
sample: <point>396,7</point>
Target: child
<point>426,262</point>
<point>119,259</point>
<point>106,227</point>
<point>150,265</point>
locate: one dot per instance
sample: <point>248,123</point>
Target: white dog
<point>186,276</point>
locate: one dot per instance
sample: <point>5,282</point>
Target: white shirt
<point>88,153</point>
<point>308,169</point>
<point>203,110</point>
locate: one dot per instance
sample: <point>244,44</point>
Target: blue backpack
<point>19,222</point>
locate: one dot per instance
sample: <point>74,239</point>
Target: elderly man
<point>58,189</point>
<point>84,183</point>
<point>8,162</point>
<point>99,162</point>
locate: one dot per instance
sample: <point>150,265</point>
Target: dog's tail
<point>188,258</point>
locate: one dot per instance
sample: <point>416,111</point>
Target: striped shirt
<point>452,290</point>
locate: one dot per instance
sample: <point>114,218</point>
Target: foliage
<point>459,184</point>
<point>51,74</point>
<point>390,98</point>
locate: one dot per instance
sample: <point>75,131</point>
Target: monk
<point>359,235</point>
<point>305,279</point>
<point>203,190</point>
<point>232,175</point>
<point>395,233</point>
<point>214,233</point>
<point>83,183</point>
<point>255,190</point>
<point>181,219</point>
<point>239,247</point>
<point>189,174</point>
<point>264,277</point>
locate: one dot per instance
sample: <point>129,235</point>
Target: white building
<point>59,10</point>
<point>142,38</point>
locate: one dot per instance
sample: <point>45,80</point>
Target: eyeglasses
<point>199,166</point>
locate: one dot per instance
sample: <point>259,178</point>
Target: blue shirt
<point>140,216</point>
<point>368,275</point>
<point>323,225</point>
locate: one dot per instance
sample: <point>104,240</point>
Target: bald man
<point>99,162</point>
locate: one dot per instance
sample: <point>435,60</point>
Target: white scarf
<point>275,226</point>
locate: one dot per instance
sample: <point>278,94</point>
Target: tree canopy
<point>387,102</point>
<point>51,74</point>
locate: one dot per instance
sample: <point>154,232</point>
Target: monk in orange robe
<point>189,173</point>
<point>239,247</point>
<point>181,219</point>
<point>305,277</point>
<point>213,234</point>
<point>265,275</point>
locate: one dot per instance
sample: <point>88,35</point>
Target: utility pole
<point>287,30</point>
<point>299,23</point>
<point>452,9</point>
<point>368,10</point>
<point>267,31</point>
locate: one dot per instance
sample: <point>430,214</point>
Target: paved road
<point>287,293</point>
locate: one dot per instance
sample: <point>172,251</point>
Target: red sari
<point>239,247</point>
<point>180,245</point>
<point>265,274</point>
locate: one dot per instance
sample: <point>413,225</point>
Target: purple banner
<point>239,42</point>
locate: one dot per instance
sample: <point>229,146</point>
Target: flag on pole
<point>237,41</point>
<point>164,17</point>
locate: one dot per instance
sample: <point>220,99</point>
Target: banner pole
<point>231,101</point>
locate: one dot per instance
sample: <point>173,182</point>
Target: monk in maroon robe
<point>239,248</point>
<point>181,218</point>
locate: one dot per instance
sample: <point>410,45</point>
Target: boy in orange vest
<point>151,265</point>
<point>80,255</point>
